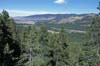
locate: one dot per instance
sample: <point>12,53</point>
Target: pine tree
<point>94,42</point>
<point>10,50</point>
<point>92,46</point>
<point>57,49</point>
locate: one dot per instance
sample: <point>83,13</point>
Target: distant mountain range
<point>55,18</point>
<point>71,22</point>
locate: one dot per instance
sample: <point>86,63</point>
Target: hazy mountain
<point>55,18</point>
<point>71,22</point>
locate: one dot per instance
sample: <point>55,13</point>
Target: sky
<point>32,7</point>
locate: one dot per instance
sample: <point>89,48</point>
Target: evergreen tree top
<point>99,7</point>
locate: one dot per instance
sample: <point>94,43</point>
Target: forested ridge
<point>36,46</point>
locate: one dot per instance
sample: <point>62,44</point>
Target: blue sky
<point>31,7</point>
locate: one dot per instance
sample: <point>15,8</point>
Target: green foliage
<point>92,45</point>
<point>41,47</point>
<point>10,50</point>
<point>57,49</point>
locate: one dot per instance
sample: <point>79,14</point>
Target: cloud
<point>23,12</point>
<point>59,1</point>
<point>13,12</point>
